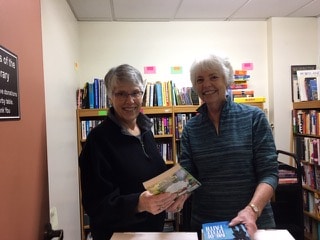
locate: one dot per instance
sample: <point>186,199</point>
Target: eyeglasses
<point>124,95</point>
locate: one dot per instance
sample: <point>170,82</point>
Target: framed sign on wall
<point>9,85</point>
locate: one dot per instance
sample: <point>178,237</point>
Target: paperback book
<point>222,231</point>
<point>309,84</point>
<point>174,180</point>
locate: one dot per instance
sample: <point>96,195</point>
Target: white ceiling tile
<point>264,9</point>
<point>91,9</point>
<point>191,10</point>
<point>310,10</point>
<point>145,9</point>
<point>208,9</point>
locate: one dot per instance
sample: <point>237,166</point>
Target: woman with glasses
<point>119,155</point>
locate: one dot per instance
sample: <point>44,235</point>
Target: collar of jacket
<point>227,105</point>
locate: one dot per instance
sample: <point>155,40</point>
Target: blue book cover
<point>311,88</point>
<point>222,231</point>
<point>159,93</point>
<point>96,90</point>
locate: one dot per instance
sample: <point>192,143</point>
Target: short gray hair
<point>210,62</point>
<point>123,73</point>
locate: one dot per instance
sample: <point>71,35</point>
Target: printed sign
<point>9,95</point>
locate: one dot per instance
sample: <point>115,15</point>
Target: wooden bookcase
<point>305,142</point>
<point>171,138</point>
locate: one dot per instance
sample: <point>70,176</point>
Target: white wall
<point>291,41</point>
<point>166,44</point>
<point>60,49</point>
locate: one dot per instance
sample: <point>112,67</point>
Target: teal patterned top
<point>229,164</point>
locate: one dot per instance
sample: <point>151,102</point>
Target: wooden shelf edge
<point>312,215</point>
<point>306,105</point>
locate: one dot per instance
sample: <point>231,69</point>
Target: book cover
<point>96,95</point>
<point>249,99</point>
<point>311,88</point>
<point>308,81</point>
<point>317,204</point>
<point>295,90</point>
<point>242,93</point>
<point>222,231</point>
<point>91,95</point>
<point>174,180</point>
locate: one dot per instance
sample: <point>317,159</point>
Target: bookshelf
<point>171,138</point>
<point>306,135</point>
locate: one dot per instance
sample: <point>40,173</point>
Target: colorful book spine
<point>249,99</point>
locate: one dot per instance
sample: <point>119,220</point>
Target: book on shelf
<point>166,93</point>
<point>236,93</point>
<point>175,180</point>
<point>222,231</point>
<point>295,91</point>
<point>249,99</point>
<point>317,204</point>
<point>309,85</point>
<point>239,85</point>
<point>92,95</point>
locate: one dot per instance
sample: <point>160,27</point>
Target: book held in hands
<point>222,231</point>
<point>174,180</point>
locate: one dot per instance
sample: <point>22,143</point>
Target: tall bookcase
<point>306,134</point>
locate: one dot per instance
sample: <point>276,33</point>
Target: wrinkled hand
<point>155,204</point>
<point>178,203</point>
<point>247,217</point>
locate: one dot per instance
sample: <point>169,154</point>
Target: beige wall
<point>61,50</point>
<point>23,172</point>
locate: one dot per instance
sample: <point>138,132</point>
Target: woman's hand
<point>155,203</point>
<point>178,203</point>
<point>247,217</point>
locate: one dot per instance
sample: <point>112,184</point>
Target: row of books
<point>311,228</point>
<point>306,121</point>
<point>307,149</point>
<point>165,149</point>
<point>311,176</point>
<point>87,126</point>
<point>181,120</point>
<point>161,125</point>
<point>166,93</point>
<point>311,202</point>
<point>92,95</point>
